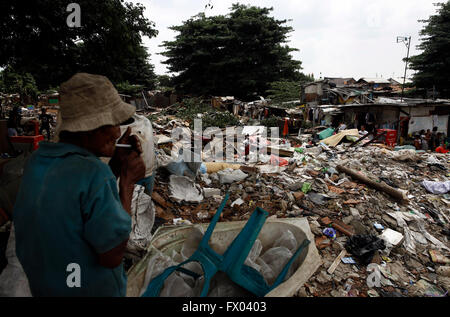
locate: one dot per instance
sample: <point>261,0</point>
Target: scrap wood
<point>164,214</point>
<point>158,199</point>
<point>336,262</point>
<point>322,242</point>
<point>379,186</point>
<point>336,189</point>
<point>326,221</point>
<point>352,202</point>
<point>342,227</point>
<point>281,152</point>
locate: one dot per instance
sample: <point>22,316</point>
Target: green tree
<point>128,89</point>
<point>164,81</point>
<point>36,39</point>
<point>282,91</point>
<point>433,64</point>
<point>21,83</point>
<point>237,54</point>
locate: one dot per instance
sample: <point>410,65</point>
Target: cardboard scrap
<point>438,257</point>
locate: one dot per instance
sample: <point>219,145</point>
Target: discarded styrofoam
<point>392,237</point>
<point>237,202</point>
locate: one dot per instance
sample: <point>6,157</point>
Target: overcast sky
<point>338,38</point>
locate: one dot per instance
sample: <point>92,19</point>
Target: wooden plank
<point>336,262</point>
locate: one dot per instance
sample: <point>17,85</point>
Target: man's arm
<point>133,170</point>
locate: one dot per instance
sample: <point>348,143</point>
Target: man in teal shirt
<point>72,220</point>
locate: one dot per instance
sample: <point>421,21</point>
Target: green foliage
<point>20,83</point>
<point>128,89</point>
<point>433,65</point>
<point>282,91</point>
<point>271,122</point>
<point>190,108</point>
<point>35,39</point>
<point>164,81</point>
<point>234,55</point>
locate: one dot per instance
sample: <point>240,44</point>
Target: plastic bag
<point>363,247</point>
<point>229,176</point>
<point>223,286</point>
<point>184,189</point>
<point>176,286</point>
<point>253,255</point>
<point>266,271</point>
<point>156,266</point>
<point>276,259</point>
<point>192,242</point>
<point>286,240</point>
<point>142,220</point>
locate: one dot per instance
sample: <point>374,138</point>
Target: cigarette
<point>128,146</point>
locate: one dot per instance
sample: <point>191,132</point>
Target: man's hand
<point>121,154</point>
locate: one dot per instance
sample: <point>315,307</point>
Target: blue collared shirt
<point>67,212</point>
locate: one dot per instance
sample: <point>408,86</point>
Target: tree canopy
<point>433,65</point>
<point>237,54</point>
<point>36,39</point>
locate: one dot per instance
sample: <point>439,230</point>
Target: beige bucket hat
<point>88,102</point>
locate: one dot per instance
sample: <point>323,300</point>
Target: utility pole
<point>407,41</point>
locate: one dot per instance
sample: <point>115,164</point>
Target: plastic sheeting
<point>229,176</point>
<point>336,139</point>
<point>184,189</point>
<point>437,187</point>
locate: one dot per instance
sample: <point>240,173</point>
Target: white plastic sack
<point>13,280</point>
<point>142,220</point>
<point>288,241</point>
<point>276,259</point>
<point>156,266</point>
<point>437,187</point>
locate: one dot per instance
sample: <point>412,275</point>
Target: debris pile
<point>381,226</point>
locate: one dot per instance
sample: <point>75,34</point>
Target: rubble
<point>359,190</point>
<point>399,196</point>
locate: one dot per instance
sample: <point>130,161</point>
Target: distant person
<point>370,121</point>
<point>423,141</point>
<point>417,142</point>
<point>442,148</point>
<point>428,137</point>
<point>433,140</point>
<point>14,121</point>
<point>46,120</point>
<point>342,127</point>
<point>363,131</point>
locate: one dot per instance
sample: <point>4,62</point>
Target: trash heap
<point>380,216</point>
